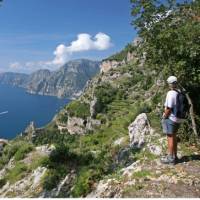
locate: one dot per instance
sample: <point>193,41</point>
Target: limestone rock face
<point>76,125</point>
<point>26,186</point>
<point>130,56</point>
<point>109,64</point>
<point>137,131</point>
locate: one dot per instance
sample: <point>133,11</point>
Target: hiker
<point>170,121</point>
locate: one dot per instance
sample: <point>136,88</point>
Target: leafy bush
<point>57,165</point>
<point>78,109</point>
<point>10,150</point>
<point>83,183</point>
<point>49,136</point>
<point>63,117</point>
<point>105,94</point>
<point>53,176</point>
<point>17,172</point>
<point>145,108</point>
<point>22,151</point>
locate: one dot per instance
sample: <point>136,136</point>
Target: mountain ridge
<point>68,81</point>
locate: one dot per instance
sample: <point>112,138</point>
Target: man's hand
<point>166,113</point>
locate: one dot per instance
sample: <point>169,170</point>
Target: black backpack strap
<point>176,90</point>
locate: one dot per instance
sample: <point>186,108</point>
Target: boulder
<point>137,131</point>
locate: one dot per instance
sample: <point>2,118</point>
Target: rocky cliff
<point>68,81</point>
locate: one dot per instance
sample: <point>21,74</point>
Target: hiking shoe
<point>168,160</point>
<point>176,160</point>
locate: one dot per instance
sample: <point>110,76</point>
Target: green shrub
<point>101,117</point>
<point>105,94</point>
<point>53,176</point>
<point>10,150</point>
<point>78,109</point>
<point>63,117</point>
<point>22,151</point>
<point>51,136</point>
<point>145,108</point>
<point>17,172</point>
<point>83,183</point>
<point>58,165</point>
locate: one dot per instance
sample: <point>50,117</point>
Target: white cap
<point>172,79</point>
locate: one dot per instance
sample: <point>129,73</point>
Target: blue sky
<point>37,33</point>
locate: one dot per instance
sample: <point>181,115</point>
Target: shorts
<point>169,127</point>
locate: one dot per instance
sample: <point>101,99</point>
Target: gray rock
<point>76,125</point>
<point>137,131</point>
<point>155,149</point>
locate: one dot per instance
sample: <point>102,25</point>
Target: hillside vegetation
<point>100,162</point>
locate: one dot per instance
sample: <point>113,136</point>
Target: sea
<point>18,108</point>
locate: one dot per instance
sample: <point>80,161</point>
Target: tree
<point>170,32</point>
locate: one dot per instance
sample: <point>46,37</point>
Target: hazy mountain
<point>68,81</point>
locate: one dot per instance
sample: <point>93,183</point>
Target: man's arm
<point>167,112</point>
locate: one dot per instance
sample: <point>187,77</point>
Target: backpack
<point>181,110</point>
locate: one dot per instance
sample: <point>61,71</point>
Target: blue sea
<point>18,109</point>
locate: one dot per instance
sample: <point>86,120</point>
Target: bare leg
<point>175,145</point>
<point>170,144</point>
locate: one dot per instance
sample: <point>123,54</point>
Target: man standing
<point>171,122</point>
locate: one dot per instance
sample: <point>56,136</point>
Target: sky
<point>38,34</point>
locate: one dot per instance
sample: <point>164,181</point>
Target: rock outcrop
<point>76,125</point>
<point>30,184</point>
<point>138,129</point>
<point>147,177</point>
<point>79,126</point>
<point>110,64</point>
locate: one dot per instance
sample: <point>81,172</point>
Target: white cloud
<point>15,65</point>
<point>84,42</point>
<point>63,53</point>
<point>29,67</point>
